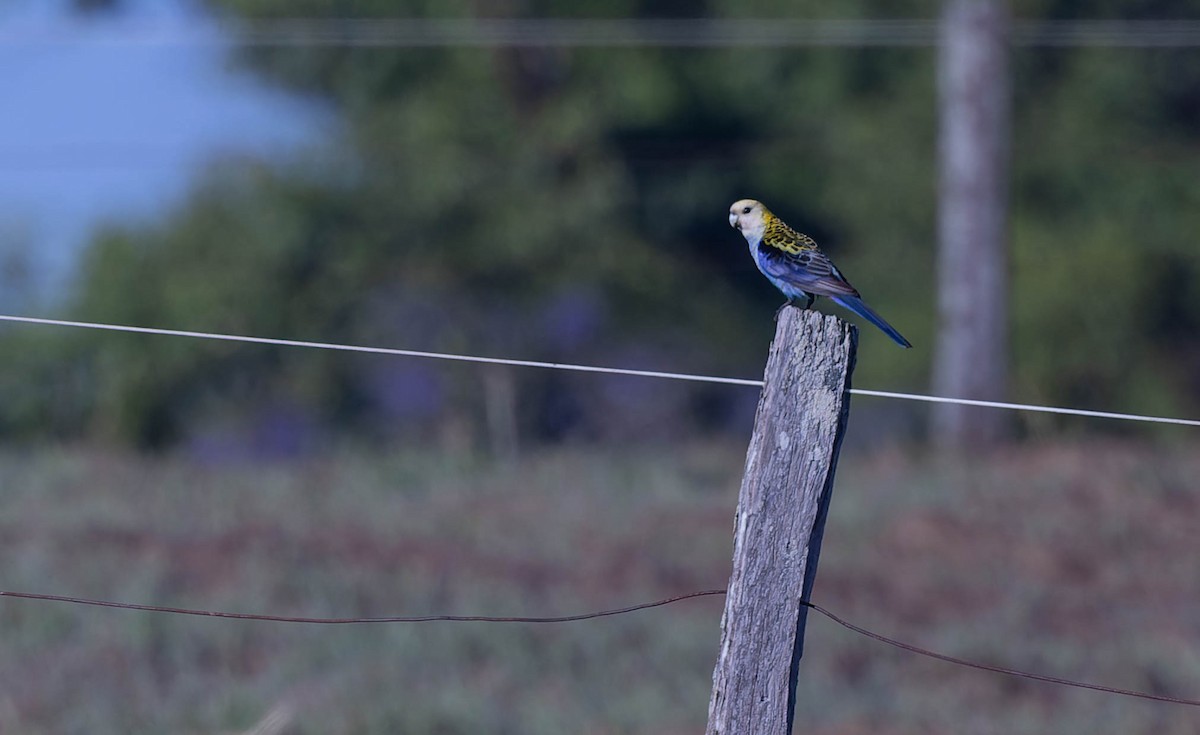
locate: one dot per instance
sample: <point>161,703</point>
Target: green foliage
<point>1104,211</point>
<point>568,204</point>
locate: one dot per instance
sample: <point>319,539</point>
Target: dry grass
<point>1075,560</point>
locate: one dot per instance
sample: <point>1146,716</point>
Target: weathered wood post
<point>781,514</point>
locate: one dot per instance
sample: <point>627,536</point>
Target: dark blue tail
<point>855,304</point>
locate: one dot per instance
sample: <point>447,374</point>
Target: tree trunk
<point>971,359</point>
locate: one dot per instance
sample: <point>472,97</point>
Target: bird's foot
<point>791,302</point>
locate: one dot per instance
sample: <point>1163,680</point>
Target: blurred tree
<point>569,204</point>
<point>561,204</point>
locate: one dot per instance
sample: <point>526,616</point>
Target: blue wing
<point>808,271</point>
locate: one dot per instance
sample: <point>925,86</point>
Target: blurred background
<point>1013,185</point>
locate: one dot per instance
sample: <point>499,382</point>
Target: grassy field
<point>1078,560</point>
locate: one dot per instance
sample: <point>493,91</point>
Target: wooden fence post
<point>780,520</point>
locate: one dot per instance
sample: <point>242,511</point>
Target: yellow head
<point>749,217</point>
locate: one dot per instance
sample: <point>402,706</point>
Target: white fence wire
<point>586,368</point>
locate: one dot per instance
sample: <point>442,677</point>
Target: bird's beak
<point>733,220</point>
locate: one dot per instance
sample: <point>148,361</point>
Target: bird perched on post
<point>793,262</point>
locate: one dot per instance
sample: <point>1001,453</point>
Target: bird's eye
<point>745,210</point>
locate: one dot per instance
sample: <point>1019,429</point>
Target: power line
<point>1109,33</point>
<point>103,155</point>
<point>592,616</point>
<point>586,368</point>
<point>619,32</point>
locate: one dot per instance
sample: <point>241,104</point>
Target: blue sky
<point>95,128</point>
